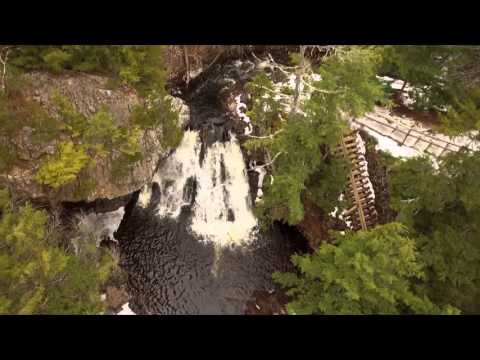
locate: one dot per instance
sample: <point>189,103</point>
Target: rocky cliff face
<point>88,94</point>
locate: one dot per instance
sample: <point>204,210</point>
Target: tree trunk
<point>3,61</point>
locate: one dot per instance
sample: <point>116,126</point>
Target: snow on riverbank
<point>241,109</point>
<point>126,310</point>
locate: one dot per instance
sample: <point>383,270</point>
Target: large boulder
<point>88,94</point>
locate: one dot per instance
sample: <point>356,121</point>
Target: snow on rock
<point>347,222</point>
<point>397,84</point>
<point>334,212</point>
<point>126,310</point>
<point>241,109</point>
<point>291,83</point>
<point>316,77</point>
<point>341,216</point>
<point>261,175</point>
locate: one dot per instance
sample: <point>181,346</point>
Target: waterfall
<point>216,189</point>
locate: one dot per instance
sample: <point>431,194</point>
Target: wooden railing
<point>405,134</point>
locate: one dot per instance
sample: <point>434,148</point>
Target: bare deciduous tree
<point>4,52</point>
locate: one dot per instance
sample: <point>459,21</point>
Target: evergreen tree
<point>367,272</point>
<point>301,136</point>
<point>438,74</point>
<point>37,276</point>
<point>442,209</point>
<point>63,167</point>
<point>137,65</point>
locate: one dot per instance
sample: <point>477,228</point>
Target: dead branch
<point>298,79</point>
<point>265,137</point>
<point>187,64</point>
<point>268,163</point>
<point>320,90</point>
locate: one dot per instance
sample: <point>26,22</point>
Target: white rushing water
<point>221,211</point>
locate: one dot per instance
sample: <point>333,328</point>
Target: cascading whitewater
<point>220,212</point>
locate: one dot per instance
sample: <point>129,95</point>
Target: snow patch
<point>144,196</point>
<point>397,84</point>
<point>241,109</point>
<point>261,175</point>
<point>126,310</point>
<point>391,146</point>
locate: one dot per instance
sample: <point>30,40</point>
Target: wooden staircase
<point>359,192</point>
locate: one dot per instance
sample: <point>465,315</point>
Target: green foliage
<point>351,77</point>
<point>326,183</point>
<point>304,140</point>
<point>158,113</point>
<point>137,65</point>
<point>442,209</point>
<point>101,136</point>
<point>56,60</point>
<point>368,272</point>
<point>63,167</point>
<point>266,110</point>
<point>417,64</point>
<point>463,114</point>
<point>86,138</point>
<point>37,276</point>
<point>438,73</point>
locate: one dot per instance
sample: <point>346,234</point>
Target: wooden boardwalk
<point>406,132</point>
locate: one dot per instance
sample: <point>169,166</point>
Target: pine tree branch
<point>323,91</point>
<point>265,137</point>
